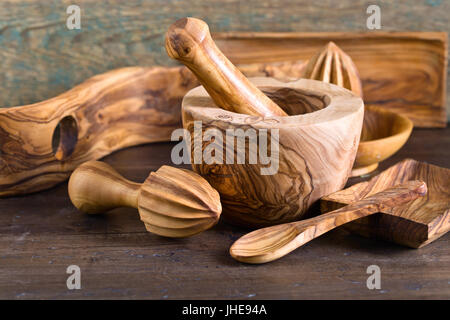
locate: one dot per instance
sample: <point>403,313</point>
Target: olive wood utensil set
<point>179,203</point>
<point>176,203</point>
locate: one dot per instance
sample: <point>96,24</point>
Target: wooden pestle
<point>171,202</point>
<point>268,244</point>
<point>188,40</point>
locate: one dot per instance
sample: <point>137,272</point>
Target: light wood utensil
<point>414,224</point>
<point>274,242</point>
<point>188,40</point>
<point>171,202</point>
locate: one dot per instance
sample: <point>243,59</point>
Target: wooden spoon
<point>188,40</point>
<point>271,243</point>
<point>171,202</point>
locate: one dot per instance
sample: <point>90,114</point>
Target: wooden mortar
<point>317,147</point>
<point>312,133</point>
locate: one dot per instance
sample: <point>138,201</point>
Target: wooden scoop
<point>271,243</point>
<point>171,202</point>
<point>188,40</point>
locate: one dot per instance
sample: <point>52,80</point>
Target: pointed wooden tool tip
<point>331,45</point>
<point>178,203</point>
<point>332,65</point>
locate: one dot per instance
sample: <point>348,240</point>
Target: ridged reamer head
<point>178,203</point>
<point>332,65</point>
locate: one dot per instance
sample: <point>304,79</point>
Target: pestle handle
<point>188,40</point>
<point>271,243</point>
<point>95,187</point>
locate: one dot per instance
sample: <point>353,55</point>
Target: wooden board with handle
<point>402,71</point>
<point>42,143</point>
<point>415,224</point>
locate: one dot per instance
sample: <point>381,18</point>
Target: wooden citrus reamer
<point>315,128</point>
<point>171,202</point>
<point>268,244</point>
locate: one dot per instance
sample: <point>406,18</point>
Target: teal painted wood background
<point>41,58</point>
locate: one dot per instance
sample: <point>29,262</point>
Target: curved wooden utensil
<point>40,144</point>
<point>171,202</point>
<point>188,40</point>
<point>268,244</point>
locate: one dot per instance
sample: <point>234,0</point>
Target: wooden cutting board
<point>403,71</point>
<point>415,224</point>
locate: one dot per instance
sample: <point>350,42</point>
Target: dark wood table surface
<point>42,234</point>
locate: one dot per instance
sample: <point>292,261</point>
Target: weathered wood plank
<point>41,234</point>
<point>139,265</point>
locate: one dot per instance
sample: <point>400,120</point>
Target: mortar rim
<point>332,112</point>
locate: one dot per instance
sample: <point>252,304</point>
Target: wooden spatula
<point>271,243</point>
<point>188,40</point>
<point>171,202</point>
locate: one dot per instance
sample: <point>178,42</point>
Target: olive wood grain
<point>315,149</point>
<point>171,202</point>
<point>415,224</point>
<point>111,111</point>
<point>384,132</point>
<point>393,66</point>
<point>268,244</point>
<point>188,40</point>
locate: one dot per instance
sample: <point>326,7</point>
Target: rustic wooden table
<point>42,234</point>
